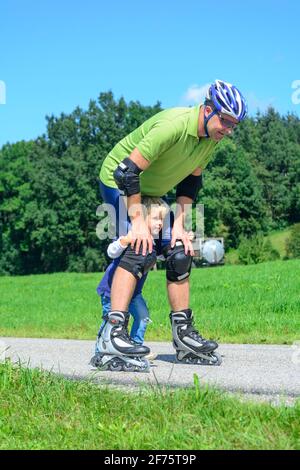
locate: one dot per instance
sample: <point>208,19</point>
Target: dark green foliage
<point>293,243</point>
<point>256,250</point>
<point>232,195</point>
<point>92,260</point>
<point>49,187</point>
<point>270,253</point>
<point>252,184</point>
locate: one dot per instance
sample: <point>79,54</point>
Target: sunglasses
<point>226,123</point>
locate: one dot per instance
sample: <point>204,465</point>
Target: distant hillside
<point>277,238</point>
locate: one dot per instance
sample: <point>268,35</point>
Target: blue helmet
<point>227,99</point>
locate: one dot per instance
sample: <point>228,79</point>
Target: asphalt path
<point>264,372</point>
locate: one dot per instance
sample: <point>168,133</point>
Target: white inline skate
<point>191,347</point>
<point>117,351</point>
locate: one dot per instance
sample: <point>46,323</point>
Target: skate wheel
<point>217,359</point>
<point>181,356</point>
<point>96,360</point>
<point>211,359</point>
<point>115,366</point>
<point>128,367</point>
<point>146,364</point>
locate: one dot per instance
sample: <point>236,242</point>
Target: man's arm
<point>178,231</point>
<point>140,231</point>
<point>127,177</point>
<point>135,200</point>
<point>186,192</point>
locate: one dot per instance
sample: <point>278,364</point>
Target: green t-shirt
<point>169,141</point>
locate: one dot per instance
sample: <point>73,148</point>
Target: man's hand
<point>178,233</point>
<point>140,234</point>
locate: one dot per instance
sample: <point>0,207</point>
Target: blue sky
<point>55,55</point>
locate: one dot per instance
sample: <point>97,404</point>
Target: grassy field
<point>49,412</point>
<point>247,304</point>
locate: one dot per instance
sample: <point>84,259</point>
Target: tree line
<point>49,186</point>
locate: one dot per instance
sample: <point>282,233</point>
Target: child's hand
<point>126,239</point>
<point>191,235</point>
<point>129,237</point>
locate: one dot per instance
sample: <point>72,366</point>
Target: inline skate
<point>116,350</point>
<point>191,347</point>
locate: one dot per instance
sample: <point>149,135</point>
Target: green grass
<point>39,410</point>
<point>239,304</point>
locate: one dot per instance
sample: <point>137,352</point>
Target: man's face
<point>219,125</point>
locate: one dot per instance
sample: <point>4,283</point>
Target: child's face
<point>155,220</point>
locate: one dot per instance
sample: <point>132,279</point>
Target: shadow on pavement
<point>166,357</point>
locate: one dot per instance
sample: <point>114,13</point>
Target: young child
<point>156,212</point>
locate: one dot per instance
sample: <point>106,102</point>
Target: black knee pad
<point>178,264</point>
<point>137,264</point>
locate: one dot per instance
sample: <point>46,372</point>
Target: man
<point>169,150</point>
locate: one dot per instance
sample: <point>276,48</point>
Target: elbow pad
<point>126,175</point>
<point>189,186</point>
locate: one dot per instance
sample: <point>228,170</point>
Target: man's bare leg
<point>179,295</point>
<point>122,289</point>
<point>115,350</point>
